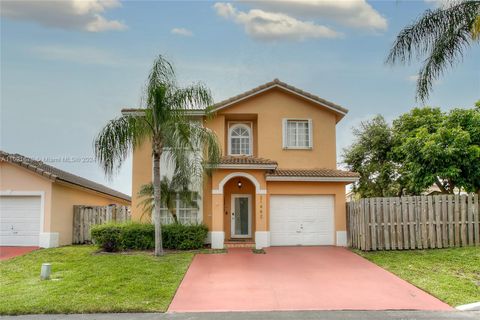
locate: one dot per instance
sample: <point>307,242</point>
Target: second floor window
<point>297,134</point>
<point>240,140</point>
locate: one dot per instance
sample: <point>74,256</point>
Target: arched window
<point>240,140</point>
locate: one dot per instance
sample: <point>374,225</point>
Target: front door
<point>241,216</point>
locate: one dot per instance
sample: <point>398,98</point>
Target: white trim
<point>232,207</point>
<point>341,238</point>
<point>250,138</point>
<point>48,240</point>
<point>247,166</point>
<point>285,134</point>
<point>255,182</point>
<point>218,239</point>
<point>262,239</point>
<point>284,88</point>
<point>313,179</point>
<point>208,239</point>
<point>30,193</point>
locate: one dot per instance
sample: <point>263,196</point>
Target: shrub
<point>137,236</point>
<point>141,236</point>
<point>184,237</point>
<point>107,236</point>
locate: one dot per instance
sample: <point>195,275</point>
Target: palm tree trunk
<point>174,216</point>
<point>157,203</point>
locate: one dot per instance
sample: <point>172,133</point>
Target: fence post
<point>476,222</point>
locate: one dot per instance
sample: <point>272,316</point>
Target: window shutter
<point>310,133</point>
<point>284,133</point>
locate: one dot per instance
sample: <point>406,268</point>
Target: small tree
<point>438,148</point>
<point>164,122</point>
<point>370,156</point>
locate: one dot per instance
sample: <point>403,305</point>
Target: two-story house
<point>277,183</point>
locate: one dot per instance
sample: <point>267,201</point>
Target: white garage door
<point>301,220</point>
<point>19,220</point>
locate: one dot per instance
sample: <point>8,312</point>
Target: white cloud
<point>351,13</point>
<point>182,32</point>
<point>85,15</point>
<point>270,26</point>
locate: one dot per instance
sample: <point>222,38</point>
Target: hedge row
<point>141,236</point>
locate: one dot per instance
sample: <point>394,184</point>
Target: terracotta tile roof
<point>56,174</point>
<point>328,173</point>
<point>247,160</point>
<point>278,83</point>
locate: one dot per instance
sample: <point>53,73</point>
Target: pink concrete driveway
<point>295,278</point>
<point>7,252</point>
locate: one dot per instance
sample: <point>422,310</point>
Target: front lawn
<point>452,275</point>
<point>86,281</point>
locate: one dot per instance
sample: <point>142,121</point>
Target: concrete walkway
<point>7,252</point>
<point>285,315</point>
<point>295,278</point>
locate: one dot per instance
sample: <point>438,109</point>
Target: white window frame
<point>285,134</point>
<point>250,138</point>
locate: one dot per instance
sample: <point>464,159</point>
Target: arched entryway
<point>243,192</point>
<point>239,207</point>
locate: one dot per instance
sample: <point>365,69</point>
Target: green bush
<point>137,236</point>
<point>141,236</point>
<point>107,236</point>
<point>184,237</point>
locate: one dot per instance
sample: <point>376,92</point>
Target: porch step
<point>239,244</point>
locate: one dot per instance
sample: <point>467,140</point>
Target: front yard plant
<point>452,275</point>
<point>113,237</point>
<point>85,281</point>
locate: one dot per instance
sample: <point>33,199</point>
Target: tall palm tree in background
<point>441,35</point>
<point>163,121</point>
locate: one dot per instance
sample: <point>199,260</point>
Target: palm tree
<point>171,190</point>
<point>165,123</point>
<point>441,35</point>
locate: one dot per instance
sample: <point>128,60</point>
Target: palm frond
<point>447,51</point>
<point>170,189</point>
<point>116,141</point>
<point>442,34</point>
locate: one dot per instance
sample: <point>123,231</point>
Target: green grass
<point>85,281</point>
<point>452,275</point>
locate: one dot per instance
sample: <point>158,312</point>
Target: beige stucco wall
<point>64,197</point>
<point>59,198</point>
<point>142,166</point>
<point>15,178</point>
<point>271,108</point>
<point>266,111</point>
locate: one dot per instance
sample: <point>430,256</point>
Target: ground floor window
<point>186,214</point>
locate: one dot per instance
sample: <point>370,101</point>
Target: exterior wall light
<point>239,184</point>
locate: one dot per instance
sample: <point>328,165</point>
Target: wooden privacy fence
<point>418,222</point>
<point>84,217</point>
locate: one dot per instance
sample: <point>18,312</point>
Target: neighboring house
<point>36,201</point>
<point>277,183</point>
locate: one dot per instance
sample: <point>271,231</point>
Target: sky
<point>68,67</point>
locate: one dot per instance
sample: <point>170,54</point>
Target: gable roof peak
<point>276,83</point>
